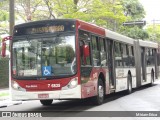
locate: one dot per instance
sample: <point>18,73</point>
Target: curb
<point>8,102</point>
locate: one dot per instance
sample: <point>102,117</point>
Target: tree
<point>134,10</point>
<point>105,13</point>
<point>136,33</point>
<point>4,18</point>
<point>154,32</point>
<point>30,9</point>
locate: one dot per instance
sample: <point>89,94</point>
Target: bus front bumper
<point>74,93</point>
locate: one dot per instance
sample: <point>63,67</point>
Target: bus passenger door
<point>143,63</point>
<point>111,66</point>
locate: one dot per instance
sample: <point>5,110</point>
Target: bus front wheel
<point>98,100</point>
<point>46,102</point>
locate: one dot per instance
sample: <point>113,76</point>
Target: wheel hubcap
<point>129,86</point>
<point>101,91</point>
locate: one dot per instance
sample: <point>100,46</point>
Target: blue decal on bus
<point>46,70</point>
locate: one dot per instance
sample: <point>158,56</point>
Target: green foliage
<point>105,13</point>
<point>30,9</point>
<point>154,32</point>
<point>134,10</point>
<point>136,33</point>
<point>4,15</point>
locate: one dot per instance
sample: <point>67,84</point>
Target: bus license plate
<point>43,95</point>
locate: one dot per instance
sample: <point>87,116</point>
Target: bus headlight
<point>72,84</point>
<point>16,86</point>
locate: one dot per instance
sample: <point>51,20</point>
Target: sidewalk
<point>5,99</point>
<point>4,94</point>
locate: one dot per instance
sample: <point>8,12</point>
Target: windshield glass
<point>48,56</point>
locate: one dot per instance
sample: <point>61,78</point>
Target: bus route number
<point>54,85</point>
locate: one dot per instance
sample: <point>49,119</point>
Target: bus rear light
<point>16,86</point>
<point>72,84</point>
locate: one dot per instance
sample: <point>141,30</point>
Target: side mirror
<point>86,50</point>
<point>3,51</point>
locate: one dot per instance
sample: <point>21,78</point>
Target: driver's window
<point>84,40</point>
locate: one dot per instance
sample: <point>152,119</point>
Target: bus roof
<point>91,28</point>
<point>148,44</point>
<point>116,36</point>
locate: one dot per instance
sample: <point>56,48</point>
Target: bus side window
<point>131,56</point>
<point>95,50</point>
<point>118,54</point>
<point>125,54</point>
<point>150,57</point>
<point>103,52</point>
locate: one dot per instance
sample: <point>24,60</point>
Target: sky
<point>152,8</point>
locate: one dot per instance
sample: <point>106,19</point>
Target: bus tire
<point>46,102</point>
<point>99,99</point>
<point>129,80</point>
<point>152,79</point>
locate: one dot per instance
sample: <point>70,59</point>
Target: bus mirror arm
<point>3,51</point>
<point>86,50</point>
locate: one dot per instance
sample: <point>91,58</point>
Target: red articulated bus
<point>72,59</point>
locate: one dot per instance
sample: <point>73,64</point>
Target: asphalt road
<point>143,99</point>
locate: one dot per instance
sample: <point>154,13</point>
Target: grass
<point>4,94</point>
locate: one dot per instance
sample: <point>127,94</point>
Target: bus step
<point>112,87</point>
<point>112,90</point>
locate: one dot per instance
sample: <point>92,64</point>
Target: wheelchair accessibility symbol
<point>46,70</point>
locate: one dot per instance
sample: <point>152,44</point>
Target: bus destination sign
<point>47,29</point>
<point>44,27</point>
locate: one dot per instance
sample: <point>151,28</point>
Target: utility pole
<point>11,17</point>
<point>11,25</point>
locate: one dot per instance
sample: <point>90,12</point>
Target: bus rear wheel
<point>46,102</point>
<point>129,91</point>
<point>98,100</point>
<point>152,79</point>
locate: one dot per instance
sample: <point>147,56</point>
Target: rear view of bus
<point>44,61</point>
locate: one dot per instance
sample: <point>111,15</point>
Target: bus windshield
<point>46,56</point>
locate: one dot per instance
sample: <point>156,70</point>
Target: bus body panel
<point>44,85</point>
<point>55,88</point>
<point>91,28</point>
<point>121,78</point>
<point>89,74</point>
<point>89,83</point>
